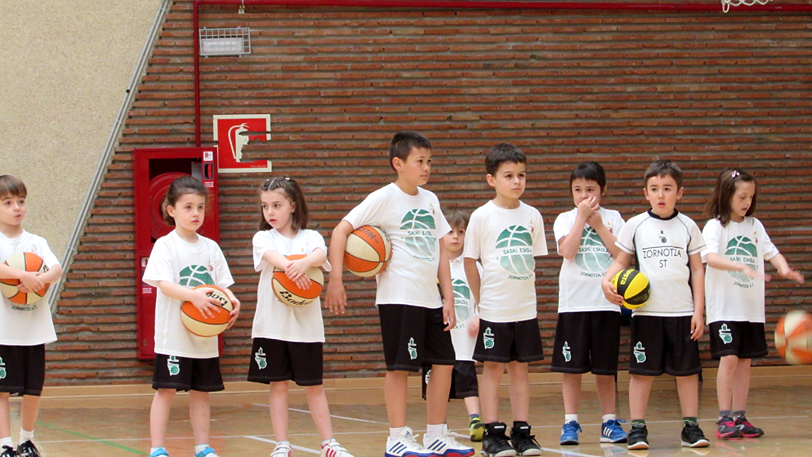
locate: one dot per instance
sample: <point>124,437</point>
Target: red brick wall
<point>620,87</point>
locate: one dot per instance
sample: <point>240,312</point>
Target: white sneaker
<point>282,450</point>
<point>446,445</point>
<point>333,449</point>
<point>405,445</point>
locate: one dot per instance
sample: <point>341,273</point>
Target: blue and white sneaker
<point>612,432</point>
<point>208,452</point>
<point>446,446</point>
<point>569,433</point>
<point>160,452</point>
<point>405,445</point>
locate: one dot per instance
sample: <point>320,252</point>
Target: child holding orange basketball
<point>26,327</point>
<point>587,336</point>
<point>184,361</point>
<point>415,322</point>
<point>288,340</point>
<point>666,245</point>
<point>737,246</point>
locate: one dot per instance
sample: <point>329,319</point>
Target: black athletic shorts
<point>276,360</point>
<point>413,337</point>
<point>745,340</point>
<point>22,369</point>
<point>587,341</point>
<point>463,380</point>
<point>663,345</point>
<point>508,341</point>
<point>185,373</point>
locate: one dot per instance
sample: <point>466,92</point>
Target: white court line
<point>567,453</point>
<point>331,415</point>
<point>300,448</point>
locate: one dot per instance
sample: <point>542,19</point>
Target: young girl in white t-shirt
<point>737,246</point>
<point>184,361</point>
<point>288,341</point>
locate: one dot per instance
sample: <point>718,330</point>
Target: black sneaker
<point>692,436</point>
<point>495,443</point>
<point>8,451</point>
<point>28,449</point>
<point>638,437</point>
<point>523,441</point>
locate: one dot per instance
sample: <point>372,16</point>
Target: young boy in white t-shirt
<point>666,245</point>
<point>587,335</point>
<point>25,329</point>
<point>415,323</point>
<point>505,235</point>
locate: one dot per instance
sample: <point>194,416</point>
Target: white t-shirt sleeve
<point>697,243</point>
<point>472,249</point>
<point>316,241</point>
<point>221,270</point>
<point>371,211</point>
<point>45,252</point>
<point>770,250</point>
<point>539,241</point>
<point>625,239</point>
<point>159,266</point>
<point>712,233</point>
<point>562,227</point>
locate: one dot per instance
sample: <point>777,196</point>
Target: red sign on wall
<point>232,132</point>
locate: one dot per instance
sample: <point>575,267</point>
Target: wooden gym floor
<point>98,421</point>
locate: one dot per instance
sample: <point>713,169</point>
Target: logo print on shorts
<point>515,244</point>
<point>724,334</point>
<point>2,369</point>
<point>742,250</point>
<point>487,339</point>
<point>420,238</point>
<point>566,351</point>
<point>592,255</point>
<point>412,349</point>
<point>639,352</point>
<point>428,375</point>
<point>259,356</point>
<point>174,365</point>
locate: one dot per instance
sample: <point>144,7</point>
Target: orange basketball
<point>26,261</point>
<point>289,293</point>
<point>367,252</point>
<point>201,325</point>
<point>793,337</point>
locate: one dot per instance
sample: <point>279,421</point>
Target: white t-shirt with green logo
<point>414,225</point>
<point>274,319</point>
<point>579,283</point>
<point>190,265</point>
<point>506,241</point>
<point>731,295</point>
<point>26,325</point>
<point>661,248</point>
<point>465,308</point>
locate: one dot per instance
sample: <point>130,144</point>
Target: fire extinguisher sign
<point>232,132</point>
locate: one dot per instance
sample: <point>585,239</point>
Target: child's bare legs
<point>395,390</point>
<point>319,411</point>
<point>159,416</point>
<point>688,391</point>
<point>437,393</point>
<point>741,388</point>
<point>571,389</point>
<point>5,416</point>
<point>606,393</point>
<point>472,405</point>
<point>519,391</point>
<point>489,390</point>
<point>639,391</point>
<point>278,399</point>
<point>733,395</point>
<point>200,415</point>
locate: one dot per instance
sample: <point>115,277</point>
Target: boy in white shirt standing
<point>506,235</point>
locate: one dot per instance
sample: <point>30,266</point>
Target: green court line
<point>88,437</point>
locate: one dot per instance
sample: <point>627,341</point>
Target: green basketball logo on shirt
<point>592,255</point>
<point>462,295</point>
<point>195,275</point>
<point>741,249</point>
<point>516,243</point>
<point>420,239</point>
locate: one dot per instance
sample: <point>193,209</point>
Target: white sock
<point>26,436</point>
<point>570,418</point>
<point>395,432</point>
<point>6,442</point>
<point>434,430</point>
<point>284,443</point>
<point>608,417</point>
<point>199,448</point>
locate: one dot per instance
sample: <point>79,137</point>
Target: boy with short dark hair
<point>666,245</point>
<point>506,235</point>
<point>25,329</point>
<point>415,323</point>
